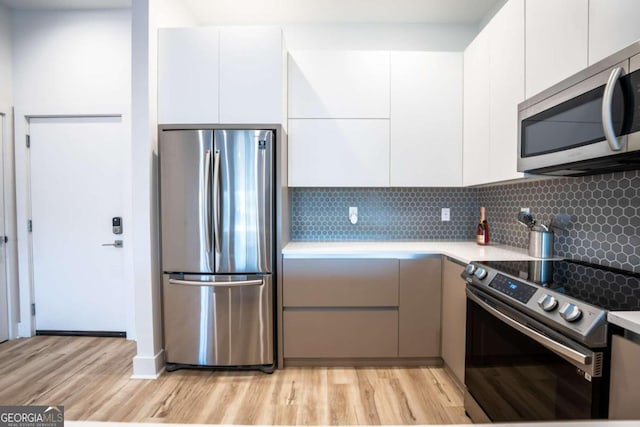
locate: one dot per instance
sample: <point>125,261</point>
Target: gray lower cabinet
<point>419,307</point>
<point>454,314</point>
<point>625,380</point>
<point>341,333</point>
<point>361,308</point>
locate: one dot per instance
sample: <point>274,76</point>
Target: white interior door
<point>77,179</point>
<point>4,305</point>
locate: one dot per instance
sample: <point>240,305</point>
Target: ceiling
<point>341,11</point>
<point>304,11</point>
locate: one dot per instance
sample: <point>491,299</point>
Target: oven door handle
<point>561,349</point>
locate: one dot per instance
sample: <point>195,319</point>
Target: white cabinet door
<point>556,41</point>
<point>338,84</point>
<point>475,154</point>
<point>251,75</point>
<point>506,85</point>
<point>426,119</point>
<point>613,25</point>
<point>338,153</point>
<point>188,75</point>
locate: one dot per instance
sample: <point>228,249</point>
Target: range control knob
<point>570,312</point>
<point>470,269</point>
<point>481,273</point>
<point>547,302</point>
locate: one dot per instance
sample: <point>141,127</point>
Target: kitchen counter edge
<point>462,251</point>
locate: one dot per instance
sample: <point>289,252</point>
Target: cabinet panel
<point>340,333</point>
<point>506,81</point>
<point>556,41</point>
<point>476,111</point>
<point>426,119</point>
<point>188,75</point>
<point>625,380</point>
<point>338,84</point>
<point>454,316</point>
<point>340,282</point>
<point>338,153</point>
<point>251,75</point>
<point>419,312</point>
<point>613,25</point>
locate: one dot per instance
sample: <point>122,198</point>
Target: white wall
<point>6,109</point>
<point>147,17</point>
<point>68,63</point>
<point>6,92</point>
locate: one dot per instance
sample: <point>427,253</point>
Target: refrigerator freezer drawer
<point>218,320</point>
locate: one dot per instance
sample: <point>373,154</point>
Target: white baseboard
<point>148,368</point>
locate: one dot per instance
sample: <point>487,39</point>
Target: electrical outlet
<point>446,214</point>
<point>525,210</point>
<point>353,215</point>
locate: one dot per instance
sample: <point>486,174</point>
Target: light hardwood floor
<point>90,377</point>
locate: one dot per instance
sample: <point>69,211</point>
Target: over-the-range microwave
<point>587,124</point>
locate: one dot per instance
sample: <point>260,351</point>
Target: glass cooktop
<point>604,287</point>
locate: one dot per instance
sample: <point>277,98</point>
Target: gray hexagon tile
<point>383,213</point>
<point>604,209</point>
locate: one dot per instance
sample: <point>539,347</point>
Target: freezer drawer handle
<point>237,284</point>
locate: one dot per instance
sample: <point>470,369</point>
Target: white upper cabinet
<point>426,119</point>
<point>188,75</point>
<point>494,86</point>
<point>251,75</point>
<point>476,111</point>
<point>338,84</point>
<point>613,25</point>
<point>228,75</point>
<point>506,84</point>
<point>338,153</point>
<point>556,41</point>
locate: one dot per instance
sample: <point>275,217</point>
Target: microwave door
<point>243,201</point>
<point>185,200</point>
<point>568,126</point>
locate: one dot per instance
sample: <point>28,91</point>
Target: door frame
<point>26,325</point>
<point>10,250</point>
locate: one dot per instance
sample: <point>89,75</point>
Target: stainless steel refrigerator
<point>217,231</point>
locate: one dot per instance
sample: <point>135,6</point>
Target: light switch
<point>446,214</point>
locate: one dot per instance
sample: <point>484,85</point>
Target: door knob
<point>115,244</point>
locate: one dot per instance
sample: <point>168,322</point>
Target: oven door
<point>519,370</point>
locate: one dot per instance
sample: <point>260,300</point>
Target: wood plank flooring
<point>91,378</point>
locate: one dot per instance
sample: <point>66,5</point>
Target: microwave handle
<point>607,116</point>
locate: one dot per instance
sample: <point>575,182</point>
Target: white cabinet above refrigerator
<point>228,75</point>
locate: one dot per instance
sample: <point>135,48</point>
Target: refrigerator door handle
<point>216,200</point>
<point>237,284</point>
<point>207,201</point>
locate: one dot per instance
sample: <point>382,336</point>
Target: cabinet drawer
<point>339,333</point>
<point>340,283</point>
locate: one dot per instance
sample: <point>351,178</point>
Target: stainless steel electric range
<point>538,340</point>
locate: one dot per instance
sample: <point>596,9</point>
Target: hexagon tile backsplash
<point>604,209</point>
<point>383,213</point>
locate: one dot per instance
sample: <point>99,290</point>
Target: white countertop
<point>463,251</point>
<point>626,319</point>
